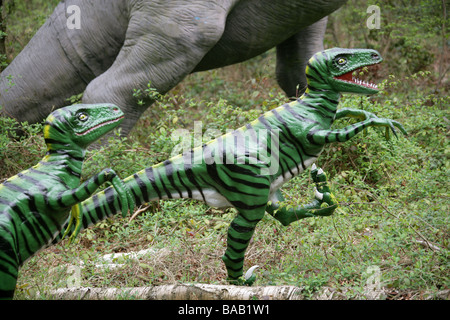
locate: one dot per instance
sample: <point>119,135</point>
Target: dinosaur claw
<point>249,277</point>
<point>319,195</point>
<point>249,272</point>
<point>313,167</point>
<point>394,131</point>
<point>320,171</point>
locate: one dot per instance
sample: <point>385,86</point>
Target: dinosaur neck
<point>323,102</point>
<point>64,158</point>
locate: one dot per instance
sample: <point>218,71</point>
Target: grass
<point>391,226</point>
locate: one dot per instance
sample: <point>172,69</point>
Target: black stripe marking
<point>237,260</point>
<point>184,185</point>
<point>54,176</point>
<point>298,116</point>
<point>232,269</point>
<point>53,126</point>
<point>316,71</point>
<point>241,229</point>
<point>191,176</point>
<point>292,139</point>
<point>110,197</point>
<point>335,102</point>
<point>244,206</point>
<point>64,153</point>
<point>151,178</point>
<point>310,136</point>
<point>98,209</point>
<point>53,141</point>
<point>323,106</point>
<point>309,76</point>
<point>161,180</point>
<point>255,185</point>
<point>235,249</point>
<point>238,240</point>
<point>142,188</point>
<point>169,173</point>
<point>213,173</point>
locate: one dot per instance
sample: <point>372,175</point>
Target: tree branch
<point>180,292</point>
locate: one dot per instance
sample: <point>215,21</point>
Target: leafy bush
<point>414,35</point>
<point>21,146</point>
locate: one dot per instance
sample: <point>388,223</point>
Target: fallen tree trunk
<point>180,292</point>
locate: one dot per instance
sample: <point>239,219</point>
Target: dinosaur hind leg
<point>239,234</point>
<point>315,208</point>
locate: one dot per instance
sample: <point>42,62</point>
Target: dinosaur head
<point>337,69</point>
<point>81,124</point>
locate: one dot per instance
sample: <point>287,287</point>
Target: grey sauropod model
<point>121,45</point>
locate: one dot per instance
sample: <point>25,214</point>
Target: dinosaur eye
<point>341,61</point>
<point>83,116</point>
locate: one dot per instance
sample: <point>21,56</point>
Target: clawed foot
<point>322,192</point>
<point>76,215</point>
<point>248,279</point>
<point>390,126</point>
<point>125,196</point>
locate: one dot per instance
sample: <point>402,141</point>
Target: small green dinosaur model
<point>35,203</point>
<point>246,168</point>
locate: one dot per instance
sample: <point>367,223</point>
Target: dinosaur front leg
<point>354,113</point>
<point>315,208</point>
<point>321,137</point>
<point>86,189</point>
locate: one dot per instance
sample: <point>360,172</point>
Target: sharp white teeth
<point>364,83</point>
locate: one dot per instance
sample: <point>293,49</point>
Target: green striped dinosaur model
<point>35,203</point>
<point>246,168</point>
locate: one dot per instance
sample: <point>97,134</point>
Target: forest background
<point>391,230</point>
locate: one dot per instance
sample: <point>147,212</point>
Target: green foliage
<point>23,19</point>
<point>393,195</point>
<point>75,98</point>
<point>120,153</point>
<point>21,146</point>
<point>3,62</point>
<point>413,35</point>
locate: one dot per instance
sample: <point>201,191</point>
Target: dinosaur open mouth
<point>98,126</point>
<point>351,78</point>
